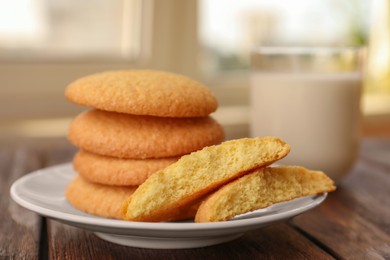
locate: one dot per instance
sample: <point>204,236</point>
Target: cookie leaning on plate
<point>139,137</point>
<point>199,173</point>
<point>115,171</point>
<point>143,92</point>
<point>260,189</point>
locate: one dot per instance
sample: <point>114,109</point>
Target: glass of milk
<point>310,98</point>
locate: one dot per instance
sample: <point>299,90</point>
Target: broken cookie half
<point>260,189</point>
<point>185,182</point>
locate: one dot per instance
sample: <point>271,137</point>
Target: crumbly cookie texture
<point>143,92</point>
<point>199,173</point>
<point>260,189</point>
<point>115,171</point>
<point>101,200</point>
<point>139,137</point>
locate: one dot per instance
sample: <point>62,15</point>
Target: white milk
<point>317,114</point>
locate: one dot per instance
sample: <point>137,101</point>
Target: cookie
<point>114,171</point>
<point>143,92</point>
<point>261,189</point>
<point>139,137</point>
<point>199,173</point>
<point>100,200</point>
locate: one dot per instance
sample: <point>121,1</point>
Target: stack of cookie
<point>139,122</point>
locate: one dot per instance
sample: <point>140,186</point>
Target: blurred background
<point>46,44</point>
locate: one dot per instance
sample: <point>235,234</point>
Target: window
<point>72,29</point>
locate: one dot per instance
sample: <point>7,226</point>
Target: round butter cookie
<point>101,200</point>
<point>139,137</point>
<point>114,171</point>
<point>143,92</point>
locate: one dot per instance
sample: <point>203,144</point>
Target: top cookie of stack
<point>143,92</point>
<point>140,122</point>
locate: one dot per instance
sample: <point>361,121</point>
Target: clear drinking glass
<point>310,98</point>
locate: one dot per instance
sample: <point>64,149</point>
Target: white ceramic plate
<point>42,191</point>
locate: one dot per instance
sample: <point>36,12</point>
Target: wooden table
<point>353,222</point>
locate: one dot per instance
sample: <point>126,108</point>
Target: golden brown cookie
<point>199,173</point>
<point>101,200</point>
<point>139,137</point>
<point>114,171</point>
<point>261,189</point>
<point>143,92</point>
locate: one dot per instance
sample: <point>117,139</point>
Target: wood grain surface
<point>353,222</point>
